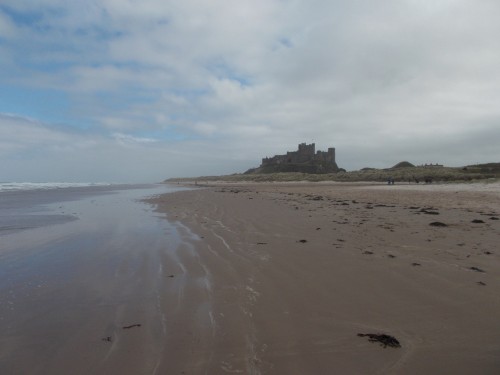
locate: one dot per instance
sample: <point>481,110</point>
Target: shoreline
<point>88,295</point>
<point>294,271</point>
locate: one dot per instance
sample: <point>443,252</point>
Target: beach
<point>269,278</point>
<point>287,275</point>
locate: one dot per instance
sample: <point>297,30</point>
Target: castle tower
<point>305,153</point>
<point>331,154</point>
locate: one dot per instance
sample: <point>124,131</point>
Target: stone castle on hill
<point>306,160</point>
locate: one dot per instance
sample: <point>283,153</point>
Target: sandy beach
<point>291,278</point>
<point>281,279</point>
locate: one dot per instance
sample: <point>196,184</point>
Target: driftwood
<point>131,326</point>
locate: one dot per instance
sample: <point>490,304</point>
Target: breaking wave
<point>18,186</point>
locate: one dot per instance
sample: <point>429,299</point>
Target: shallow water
<point>74,261</point>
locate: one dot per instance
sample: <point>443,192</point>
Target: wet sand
<point>283,278</point>
<point>87,296</point>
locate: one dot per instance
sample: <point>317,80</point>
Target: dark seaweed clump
<point>383,339</point>
<point>438,224</point>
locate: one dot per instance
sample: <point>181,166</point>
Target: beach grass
<point>483,172</point>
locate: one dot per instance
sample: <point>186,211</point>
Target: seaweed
<point>383,339</point>
<point>438,224</point>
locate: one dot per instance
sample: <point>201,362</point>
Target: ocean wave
<point>18,186</point>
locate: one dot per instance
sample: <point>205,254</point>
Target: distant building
<point>432,165</point>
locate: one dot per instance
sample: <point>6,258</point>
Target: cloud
<point>127,138</point>
<point>33,151</point>
<point>222,83</point>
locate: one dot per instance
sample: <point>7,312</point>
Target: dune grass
<point>434,174</point>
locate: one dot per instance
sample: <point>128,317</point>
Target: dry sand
<point>281,278</point>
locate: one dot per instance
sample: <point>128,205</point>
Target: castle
<point>305,160</point>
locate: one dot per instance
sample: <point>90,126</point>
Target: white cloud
<point>33,151</point>
<point>380,81</point>
<point>127,138</point>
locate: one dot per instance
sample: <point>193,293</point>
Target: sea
<point>22,186</point>
<point>29,205</point>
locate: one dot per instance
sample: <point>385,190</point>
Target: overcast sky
<point>129,90</point>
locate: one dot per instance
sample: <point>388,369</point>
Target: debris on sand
<point>437,224</point>
<point>476,269</point>
<point>383,339</point>
<point>316,198</point>
<point>302,241</point>
<point>415,264</point>
<point>131,326</point>
<point>429,211</point>
<point>107,339</point>
<point>481,283</point>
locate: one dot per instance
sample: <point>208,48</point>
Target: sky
<point>144,90</point>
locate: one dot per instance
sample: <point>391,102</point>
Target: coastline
<point>292,272</point>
